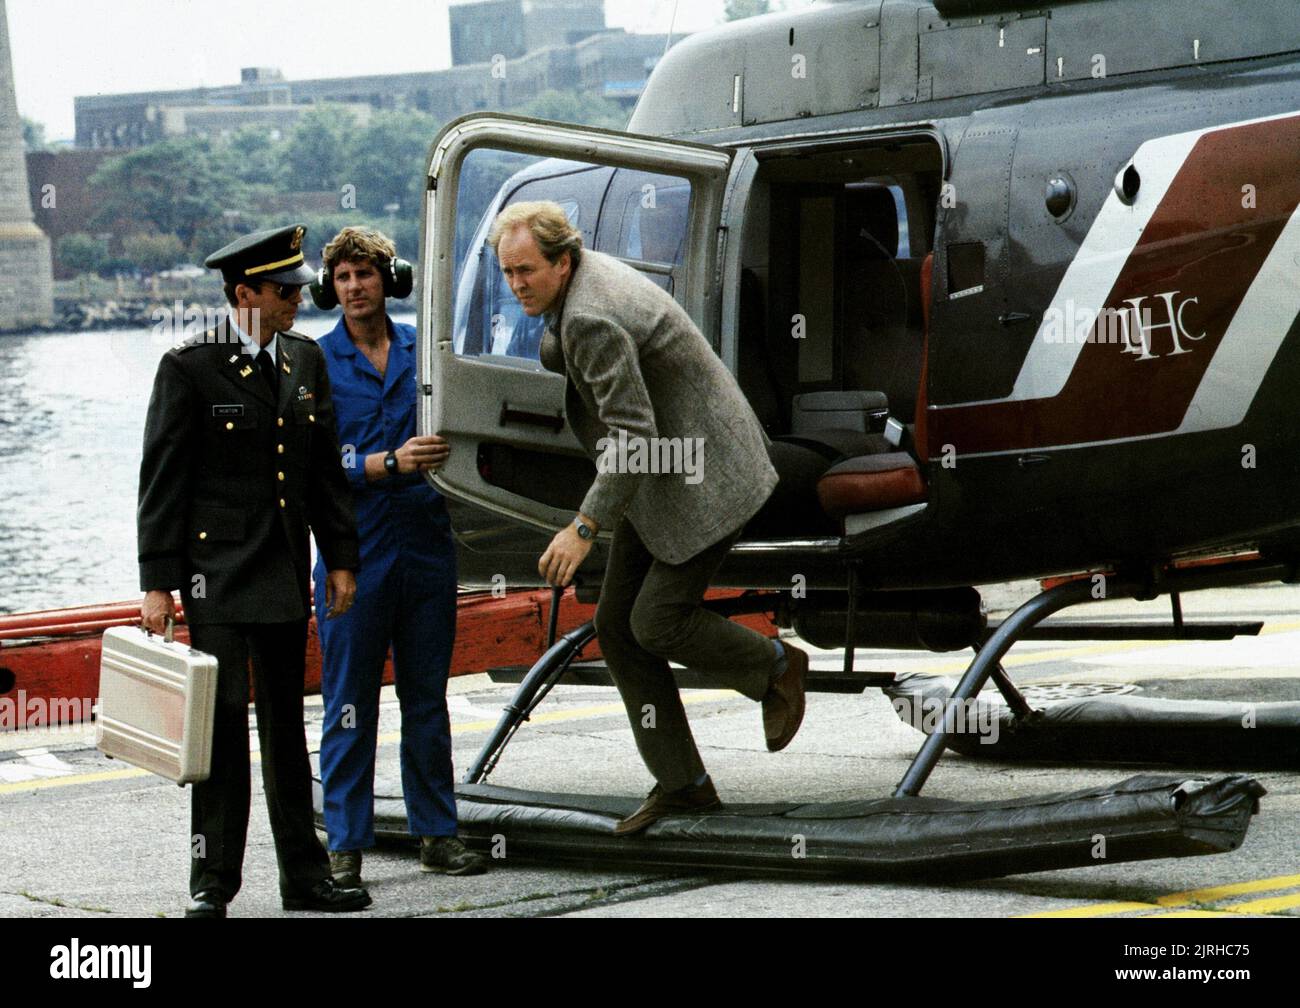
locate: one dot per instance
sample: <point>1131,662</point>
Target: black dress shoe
<point>327,896</point>
<point>206,904</point>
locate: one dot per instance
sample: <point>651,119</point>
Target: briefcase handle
<point>168,630</point>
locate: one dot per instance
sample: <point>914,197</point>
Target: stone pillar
<point>26,277</point>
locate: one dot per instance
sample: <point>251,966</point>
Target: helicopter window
<point>654,223</point>
<point>645,223</point>
<point>487,319</point>
<point>495,323</point>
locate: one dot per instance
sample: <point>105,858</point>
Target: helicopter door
<point>652,202</point>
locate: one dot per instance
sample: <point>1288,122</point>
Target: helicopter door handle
<point>551,421</point>
<point>1025,461</point>
<point>1013,318</point>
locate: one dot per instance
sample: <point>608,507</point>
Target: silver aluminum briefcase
<point>156,703</point>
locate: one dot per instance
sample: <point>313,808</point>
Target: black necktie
<point>267,366</point>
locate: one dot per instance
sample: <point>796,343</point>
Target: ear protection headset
<point>397,274</point>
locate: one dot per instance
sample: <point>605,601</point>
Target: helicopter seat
<point>879,480</point>
<point>871,483</point>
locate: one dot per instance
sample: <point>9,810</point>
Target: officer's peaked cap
<point>275,255</point>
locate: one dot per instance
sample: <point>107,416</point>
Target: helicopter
<point>1012,289</point>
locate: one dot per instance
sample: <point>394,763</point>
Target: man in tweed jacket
<point>646,389</point>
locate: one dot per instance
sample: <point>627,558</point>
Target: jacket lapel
<point>240,367</point>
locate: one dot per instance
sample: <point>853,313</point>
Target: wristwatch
<point>390,463</point>
<point>585,531</point>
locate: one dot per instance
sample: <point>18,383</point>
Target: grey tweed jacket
<point>643,376</point>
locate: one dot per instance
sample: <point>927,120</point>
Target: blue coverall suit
<point>406,597</point>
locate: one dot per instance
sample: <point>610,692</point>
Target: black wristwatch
<point>390,463</point>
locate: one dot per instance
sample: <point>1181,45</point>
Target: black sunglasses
<point>283,291</point>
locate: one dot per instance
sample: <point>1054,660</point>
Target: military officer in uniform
<point>240,459</point>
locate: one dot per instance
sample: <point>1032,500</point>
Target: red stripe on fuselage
<point>1201,242</point>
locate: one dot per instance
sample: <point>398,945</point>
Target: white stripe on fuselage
<point>1253,339</point>
<point>1101,258</point>
<point>1091,276</point>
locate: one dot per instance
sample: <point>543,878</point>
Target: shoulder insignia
<point>196,341</point>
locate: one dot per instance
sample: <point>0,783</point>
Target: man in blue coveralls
<point>406,587</point>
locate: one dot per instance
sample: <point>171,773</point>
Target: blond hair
<point>359,243</point>
<point>546,222</point>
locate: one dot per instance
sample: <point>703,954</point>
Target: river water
<point>72,407</point>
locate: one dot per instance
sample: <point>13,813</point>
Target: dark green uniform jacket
<point>231,481</point>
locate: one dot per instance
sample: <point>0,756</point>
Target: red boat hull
<point>50,658</point>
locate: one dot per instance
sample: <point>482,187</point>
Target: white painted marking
<point>36,764</point>
<point>1092,273</point>
<point>1091,276</point>
<point>460,707</point>
<point>1252,341</point>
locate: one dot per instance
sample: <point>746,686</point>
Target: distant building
<point>68,173</point>
<point>546,44</point>
<point>481,32</point>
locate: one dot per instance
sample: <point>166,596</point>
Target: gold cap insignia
<point>295,242</point>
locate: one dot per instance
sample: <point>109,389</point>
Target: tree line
<point>178,200</point>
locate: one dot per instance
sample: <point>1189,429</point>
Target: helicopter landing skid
<point>923,839</point>
<point>987,661</point>
<point>900,836</point>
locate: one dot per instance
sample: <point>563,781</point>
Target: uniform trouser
<point>410,603</point>
<point>649,614</point>
<point>219,805</point>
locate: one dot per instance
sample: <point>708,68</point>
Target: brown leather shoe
<point>783,706</point>
<point>660,803</point>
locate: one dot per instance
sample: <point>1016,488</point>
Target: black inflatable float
<point>921,838</point>
<point>1109,729</point>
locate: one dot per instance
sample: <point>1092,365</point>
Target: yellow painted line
<point>1212,894</point>
<point>1271,905</point>
<point>89,778</point>
<point>1095,910</point>
<point>1216,893</point>
<point>1064,654</point>
<point>574,714</point>
<point>1028,658</point>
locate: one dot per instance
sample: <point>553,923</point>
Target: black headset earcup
<point>399,279</point>
<point>322,290</point>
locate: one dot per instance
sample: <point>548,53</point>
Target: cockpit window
<point>640,217</point>
<point>487,319</point>
<point>509,331</point>
<point>654,224</point>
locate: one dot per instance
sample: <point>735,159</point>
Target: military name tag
<point>234,409</point>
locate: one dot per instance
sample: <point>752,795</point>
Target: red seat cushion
<point>871,483</point>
